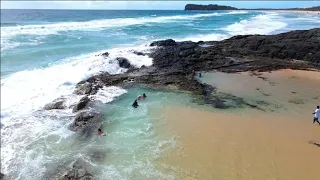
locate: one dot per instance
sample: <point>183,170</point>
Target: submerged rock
<point>138,53</point>
<point>123,62</point>
<point>57,104</point>
<point>81,104</point>
<point>77,172</point>
<point>296,101</point>
<point>97,155</point>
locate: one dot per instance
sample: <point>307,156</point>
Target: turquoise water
<point>44,53</point>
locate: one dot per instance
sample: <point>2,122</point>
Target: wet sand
<point>255,146</point>
<point>249,144</point>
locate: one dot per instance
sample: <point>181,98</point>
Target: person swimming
<point>139,97</point>
<point>135,104</point>
<point>144,95</point>
<point>101,133</point>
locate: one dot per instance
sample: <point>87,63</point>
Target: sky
<point>148,5</point>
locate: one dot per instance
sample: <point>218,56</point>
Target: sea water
<point>44,53</point>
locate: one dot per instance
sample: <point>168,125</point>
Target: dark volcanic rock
<point>87,122</point>
<point>105,54</point>
<point>77,172</point>
<point>295,45</point>
<point>81,104</point>
<point>83,89</point>
<point>138,53</point>
<point>168,42</point>
<point>174,63</point>
<point>123,62</point>
<point>56,104</point>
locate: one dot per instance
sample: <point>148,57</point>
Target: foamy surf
<point>23,119</point>
<point>260,24</point>
<point>94,25</point>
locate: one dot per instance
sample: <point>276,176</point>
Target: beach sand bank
<point>246,143</point>
<point>296,11</point>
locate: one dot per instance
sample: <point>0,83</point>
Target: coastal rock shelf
<point>177,64</point>
<point>174,62</point>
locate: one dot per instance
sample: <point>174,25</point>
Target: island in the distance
<point>211,7</point>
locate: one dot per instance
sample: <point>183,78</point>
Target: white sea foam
<point>94,25</point>
<point>237,12</point>
<point>260,24</point>
<point>205,37</point>
<point>25,93</point>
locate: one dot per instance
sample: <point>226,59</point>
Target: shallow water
<point>246,143</point>
<point>44,53</point>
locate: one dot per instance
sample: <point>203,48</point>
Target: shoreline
<point>292,11</point>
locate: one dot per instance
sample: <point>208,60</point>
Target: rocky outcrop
<point>105,54</point>
<point>77,172</point>
<point>174,63</point>
<point>296,50</point>
<point>81,104</point>
<point>295,45</point>
<point>87,122</point>
<point>86,88</point>
<point>56,104</point>
<point>123,62</point>
<point>83,89</point>
<point>168,42</point>
<point>139,53</point>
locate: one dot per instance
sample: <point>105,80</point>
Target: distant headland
<point>212,7</point>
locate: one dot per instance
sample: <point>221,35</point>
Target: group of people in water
<point>135,105</point>
<point>140,97</point>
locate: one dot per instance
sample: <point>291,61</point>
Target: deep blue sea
<point>44,53</point>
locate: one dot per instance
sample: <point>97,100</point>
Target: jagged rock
<point>105,54</point>
<point>57,104</point>
<point>123,62</point>
<point>77,172</point>
<point>168,42</point>
<point>87,122</point>
<point>138,53</point>
<point>83,89</point>
<point>81,104</point>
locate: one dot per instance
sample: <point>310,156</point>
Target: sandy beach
<point>249,144</point>
<point>297,11</point>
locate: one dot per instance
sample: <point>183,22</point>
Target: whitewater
<point>44,57</point>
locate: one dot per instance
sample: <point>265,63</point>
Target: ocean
<point>45,53</point>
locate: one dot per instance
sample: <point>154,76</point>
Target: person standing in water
<point>316,115</point>
<point>135,104</point>
<point>144,96</point>
<point>100,132</point>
